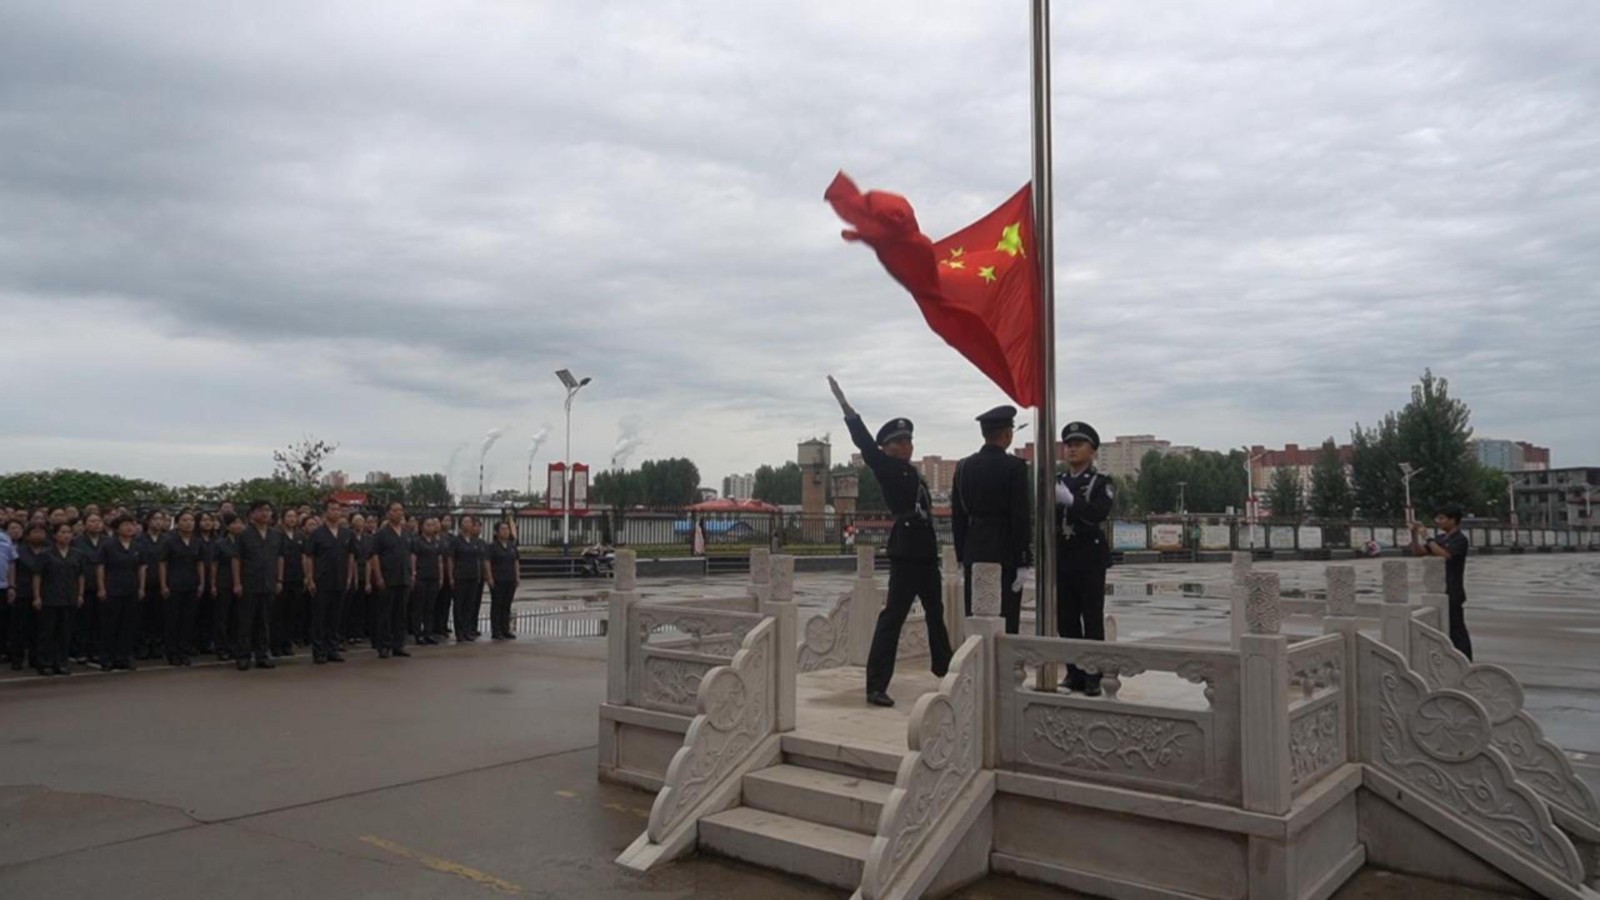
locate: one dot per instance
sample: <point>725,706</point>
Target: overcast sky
<point>227,225</point>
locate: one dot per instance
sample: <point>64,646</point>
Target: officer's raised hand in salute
<point>913,547</point>
<point>1083,503</point>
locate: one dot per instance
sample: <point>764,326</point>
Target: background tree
<point>1331,498</point>
<point>279,492</point>
<point>302,462</point>
<point>781,485</point>
<point>1433,432</point>
<point>670,482</point>
<point>1375,470</point>
<point>1283,495</point>
<point>428,490</point>
<point>1212,482</point>
<point>75,487</point>
<point>1488,495</point>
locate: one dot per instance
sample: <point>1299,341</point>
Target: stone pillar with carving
<point>1434,595</point>
<point>780,606</point>
<point>953,593</point>
<point>760,575</point>
<point>1341,619</point>
<point>624,593</point>
<point>1243,565</point>
<point>1395,617</point>
<point>1264,691</point>
<point>864,604</point>
<point>987,623</point>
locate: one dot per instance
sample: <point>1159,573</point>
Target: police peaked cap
<point>893,430</point>
<point>1080,431</point>
<point>999,417</point>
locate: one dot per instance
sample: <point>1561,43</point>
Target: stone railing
<point>945,737</point>
<point>736,709</point>
<point>670,649</point>
<point>1317,709</point>
<point>1168,739</point>
<point>1537,762</point>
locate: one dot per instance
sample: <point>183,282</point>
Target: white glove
<point>1016,586</point>
<point>1064,495</point>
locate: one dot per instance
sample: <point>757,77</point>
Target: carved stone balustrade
<point>670,648</point>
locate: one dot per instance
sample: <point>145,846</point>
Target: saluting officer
<point>1083,503</point>
<point>990,514</point>
<point>913,548</point>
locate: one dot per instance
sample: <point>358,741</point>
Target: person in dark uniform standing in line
<point>913,548</point>
<point>225,599</point>
<point>330,564</point>
<point>393,572</point>
<point>505,575</point>
<point>467,562</point>
<point>1083,503</point>
<point>150,621</point>
<point>358,606</point>
<point>990,513</point>
<point>22,630</point>
<point>429,553</point>
<point>86,620</point>
<point>205,603</point>
<point>286,605</point>
<point>257,579</point>
<point>120,574</point>
<point>58,586</point>
<point>182,572</point>
<point>445,602</point>
<point>1451,544</point>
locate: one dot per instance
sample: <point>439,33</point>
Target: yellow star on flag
<point>1011,239</point>
<point>956,252</point>
<point>955,263</point>
<point>987,274</point>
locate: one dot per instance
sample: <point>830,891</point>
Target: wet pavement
<point>469,771</point>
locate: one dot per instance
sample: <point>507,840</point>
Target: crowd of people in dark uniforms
<point>114,587</point>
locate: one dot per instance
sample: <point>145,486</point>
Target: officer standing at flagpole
<point>989,512</point>
<point>1083,503</point>
<point>913,548</point>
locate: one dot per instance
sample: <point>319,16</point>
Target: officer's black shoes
<point>880,698</point>
<point>509,636</point>
<point>383,652</point>
<point>401,651</point>
<point>242,663</point>
<point>318,658</point>
<point>335,657</point>
<point>59,671</point>
<point>266,663</point>
<point>107,665</point>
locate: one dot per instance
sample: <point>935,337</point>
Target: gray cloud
<point>225,225</point>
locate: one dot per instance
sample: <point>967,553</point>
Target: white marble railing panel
<point>1316,739</point>
<point>825,642</point>
<point>1188,750</point>
<point>1538,763</point>
<point>1439,744</point>
<point>946,742</point>
<point>1317,665</point>
<point>672,647</point>
<point>735,709</point>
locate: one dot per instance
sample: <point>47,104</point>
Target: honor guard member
<point>989,512</point>
<point>913,548</point>
<point>1083,503</point>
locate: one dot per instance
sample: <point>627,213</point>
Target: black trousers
<point>389,617</point>
<point>177,615</point>
<point>1010,600</point>
<point>1081,604</point>
<point>149,622</point>
<point>55,627</point>
<point>357,611</point>
<point>908,580</point>
<point>442,606</point>
<point>253,633</point>
<point>119,627</point>
<point>280,623</point>
<point>223,620</point>
<point>327,609</point>
<point>469,597</point>
<point>1458,626</point>
<point>86,625</point>
<point>500,597</point>
<point>423,595</point>
<point>299,613</point>
<point>20,630</point>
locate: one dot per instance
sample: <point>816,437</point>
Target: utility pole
<point>572,385</point>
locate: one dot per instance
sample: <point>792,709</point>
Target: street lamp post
<point>1511,499</point>
<point>572,385</point>
<point>1182,485</point>
<point>1407,472</point>
<point>1250,494</point>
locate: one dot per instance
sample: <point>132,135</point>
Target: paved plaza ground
<point>470,771</point>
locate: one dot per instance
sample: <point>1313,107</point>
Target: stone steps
<point>850,802</point>
<point>830,855</point>
<point>873,762</point>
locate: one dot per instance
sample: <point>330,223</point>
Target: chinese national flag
<point>977,288</point>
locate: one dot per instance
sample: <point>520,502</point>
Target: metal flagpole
<point>1044,427</point>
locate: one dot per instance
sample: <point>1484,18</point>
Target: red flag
<point>977,288</point>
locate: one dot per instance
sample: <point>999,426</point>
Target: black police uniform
<point>430,575</point>
<point>61,584</point>
<point>330,553</point>
<point>360,610</point>
<point>469,554</point>
<point>445,601</point>
<point>504,563</point>
<point>913,554</point>
<point>86,620</point>
<point>260,554</point>
<point>120,565</point>
<point>991,516</point>
<point>392,549</point>
<point>151,622</point>
<point>185,561</point>
<point>1083,555</point>
<point>224,550</point>
<point>21,630</point>
<point>290,622</point>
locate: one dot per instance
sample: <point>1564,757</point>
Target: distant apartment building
<point>1122,457</point>
<point>938,472</point>
<point>1265,464</point>
<point>1557,498</point>
<point>739,487</point>
<point>336,480</point>
<point>378,477</point>
<point>1510,456</point>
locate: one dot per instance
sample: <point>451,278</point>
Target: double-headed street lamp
<point>572,385</point>
<point>1250,493</point>
<point>1407,472</point>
